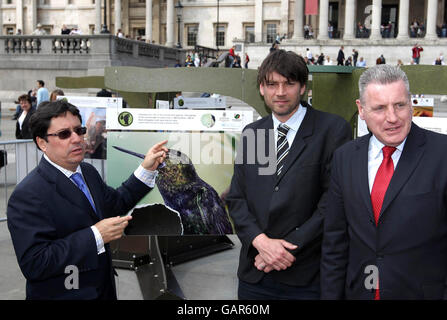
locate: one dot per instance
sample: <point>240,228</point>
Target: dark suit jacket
<point>289,206</point>
<point>25,133</point>
<point>49,219</point>
<point>409,245</point>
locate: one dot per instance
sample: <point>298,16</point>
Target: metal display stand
<point>151,258</point>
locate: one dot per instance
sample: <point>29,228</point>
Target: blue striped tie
<point>77,178</point>
<point>282,147</point>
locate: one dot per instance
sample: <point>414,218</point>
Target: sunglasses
<point>66,133</point>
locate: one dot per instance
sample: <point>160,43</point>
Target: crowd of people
<point>342,60</point>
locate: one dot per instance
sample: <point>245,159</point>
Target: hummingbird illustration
<point>201,209</point>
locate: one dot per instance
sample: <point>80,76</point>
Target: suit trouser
<point>268,288</point>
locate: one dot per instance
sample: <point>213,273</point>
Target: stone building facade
<point>216,23</point>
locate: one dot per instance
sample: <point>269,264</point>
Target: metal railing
<point>22,156</point>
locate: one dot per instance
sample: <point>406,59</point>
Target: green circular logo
<point>208,120</point>
<point>125,118</point>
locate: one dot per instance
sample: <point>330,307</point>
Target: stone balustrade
<point>24,59</point>
<point>87,45</point>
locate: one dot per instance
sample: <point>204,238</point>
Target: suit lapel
<point>411,155</point>
<point>267,128</point>
<point>67,189</point>
<point>95,189</point>
<point>360,172</point>
<point>299,144</point>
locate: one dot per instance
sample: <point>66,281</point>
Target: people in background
<point>55,93</point>
<point>23,130</point>
<point>42,93</point>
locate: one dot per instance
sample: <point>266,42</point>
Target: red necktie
<point>381,182</point>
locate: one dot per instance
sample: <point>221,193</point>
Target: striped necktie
<point>282,147</point>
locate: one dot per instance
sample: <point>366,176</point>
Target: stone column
<point>259,20</point>
<point>97,16</point>
<point>404,10</point>
<point>349,20</point>
<point>148,21</point>
<point>432,13</point>
<point>298,23</point>
<point>376,20</point>
<point>117,15</point>
<point>19,16</point>
<point>32,15</point>
<point>284,22</point>
<point>170,23</point>
<point>1,19</point>
<point>324,19</point>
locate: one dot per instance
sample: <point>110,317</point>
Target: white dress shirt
<point>145,176</point>
<point>293,123</point>
<point>375,157</point>
<point>22,118</point>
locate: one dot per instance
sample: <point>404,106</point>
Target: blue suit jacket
<point>49,219</point>
<point>409,245</point>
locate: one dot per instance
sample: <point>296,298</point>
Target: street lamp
<point>104,26</point>
<point>179,9</point>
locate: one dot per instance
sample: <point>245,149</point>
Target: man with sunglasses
<point>62,216</point>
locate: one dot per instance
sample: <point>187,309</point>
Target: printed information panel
<point>178,120</point>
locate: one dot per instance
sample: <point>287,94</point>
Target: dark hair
<point>24,97</point>
<point>286,63</point>
<point>41,119</point>
<point>41,83</point>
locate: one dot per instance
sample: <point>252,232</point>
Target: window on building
<point>70,1</point>
<point>271,32</point>
<point>250,33</point>
<point>8,1</point>
<point>192,31</point>
<point>45,2</point>
<point>220,36</point>
<point>9,31</point>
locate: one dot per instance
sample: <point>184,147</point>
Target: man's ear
<point>360,109</point>
<point>42,144</point>
<point>261,89</point>
<point>302,90</point>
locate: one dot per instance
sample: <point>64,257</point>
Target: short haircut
<point>25,97</point>
<point>40,121</point>
<point>41,83</point>
<point>286,63</point>
<point>381,74</point>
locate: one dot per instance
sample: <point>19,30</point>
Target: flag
<point>311,7</point>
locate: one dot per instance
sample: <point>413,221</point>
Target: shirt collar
<point>294,121</point>
<point>67,173</point>
<point>375,146</point>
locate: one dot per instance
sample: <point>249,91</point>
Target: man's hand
<point>261,265</point>
<point>274,252</point>
<point>112,228</point>
<point>155,156</point>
